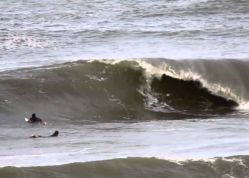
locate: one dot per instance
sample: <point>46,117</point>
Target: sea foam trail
<point>104,89</point>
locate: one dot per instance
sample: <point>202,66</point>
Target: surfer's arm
<point>35,136</point>
<point>43,122</point>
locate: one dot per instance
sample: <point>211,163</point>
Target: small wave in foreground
<point>236,167</point>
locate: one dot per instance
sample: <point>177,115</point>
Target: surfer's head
<point>33,115</point>
<point>55,134</point>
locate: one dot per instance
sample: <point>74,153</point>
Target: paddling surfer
<point>34,119</point>
<point>55,134</point>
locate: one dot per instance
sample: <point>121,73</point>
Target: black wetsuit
<point>35,119</point>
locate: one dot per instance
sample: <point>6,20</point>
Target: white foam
<point>244,105</point>
<point>14,41</point>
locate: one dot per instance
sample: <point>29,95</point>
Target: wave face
<point>236,167</point>
<point>134,89</point>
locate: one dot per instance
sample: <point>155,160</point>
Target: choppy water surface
<point>172,140</point>
<point>37,33</point>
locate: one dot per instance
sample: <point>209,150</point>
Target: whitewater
<point>136,88</point>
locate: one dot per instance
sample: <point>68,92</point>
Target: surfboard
<point>26,119</point>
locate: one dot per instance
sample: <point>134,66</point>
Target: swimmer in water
<point>55,134</point>
<point>34,119</point>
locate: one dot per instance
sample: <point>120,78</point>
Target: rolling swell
<point>94,90</point>
<point>108,90</point>
<point>236,167</point>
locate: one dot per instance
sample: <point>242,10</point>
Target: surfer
<point>34,119</point>
<point>55,134</point>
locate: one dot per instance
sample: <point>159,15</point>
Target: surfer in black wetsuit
<point>55,134</point>
<point>34,119</point>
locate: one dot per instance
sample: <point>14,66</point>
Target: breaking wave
<point>129,89</point>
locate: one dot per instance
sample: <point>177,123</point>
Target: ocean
<point>135,88</point>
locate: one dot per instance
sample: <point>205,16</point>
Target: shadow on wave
<point>189,95</point>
